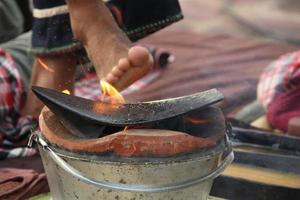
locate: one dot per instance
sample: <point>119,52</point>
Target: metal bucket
<point>78,176</point>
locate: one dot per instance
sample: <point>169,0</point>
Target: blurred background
<point>277,20</point>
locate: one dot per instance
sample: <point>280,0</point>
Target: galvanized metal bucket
<point>79,176</point>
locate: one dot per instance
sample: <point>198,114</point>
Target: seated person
<point>55,47</point>
<point>279,93</point>
<point>61,31</point>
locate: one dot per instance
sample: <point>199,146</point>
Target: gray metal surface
<point>134,188</point>
<point>124,114</point>
<point>73,178</point>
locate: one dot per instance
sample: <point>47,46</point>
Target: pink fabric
<point>283,108</point>
<point>280,76</point>
<point>279,90</point>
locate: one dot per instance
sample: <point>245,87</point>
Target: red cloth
<point>279,90</point>
<point>19,184</point>
<point>14,128</point>
<point>283,108</point>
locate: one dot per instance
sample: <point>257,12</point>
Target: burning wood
<point>195,120</point>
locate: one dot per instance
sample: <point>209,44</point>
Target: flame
<point>45,66</point>
<point>110,99</point>
<point>66,92</point>
<point>109,91</point>
<point>196,121</point>
<point>115,97</point>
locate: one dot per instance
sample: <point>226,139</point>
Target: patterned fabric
<point>52,30</point>
<point>12,92</point>
<point>279,90</point>
<point>280,76</point>
<point>14,130</point>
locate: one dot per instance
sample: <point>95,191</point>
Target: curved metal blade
<point>71,107</point>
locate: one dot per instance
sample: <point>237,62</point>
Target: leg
<point>108,47</point>
<point>59,75</point>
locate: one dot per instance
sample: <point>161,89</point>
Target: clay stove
<point>171,149</point>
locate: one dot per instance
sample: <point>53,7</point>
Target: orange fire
<point>66,92</point>
<point>112,93</point>
<point>45,66</point>
<point>196,121</point>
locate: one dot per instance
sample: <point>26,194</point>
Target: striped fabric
<point>52,31</point>
<point>50,12</point>
<point>12,91</point>
<point>280,76</point>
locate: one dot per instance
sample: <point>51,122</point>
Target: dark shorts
<point>52,33</point>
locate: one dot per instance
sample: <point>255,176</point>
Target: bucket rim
<point>60,162</point>
<point>223,147</point>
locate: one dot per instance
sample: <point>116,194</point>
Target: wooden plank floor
<point>262,175</point>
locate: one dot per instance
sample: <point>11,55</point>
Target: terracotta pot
<point>134,164</point>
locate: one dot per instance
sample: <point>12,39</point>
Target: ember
<point>195,120</point>
<point>114,96</point>
<point>45,66</point>
<point>66,92</point>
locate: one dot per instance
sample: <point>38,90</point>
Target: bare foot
<point>55,72</point>
<point>107,46</point>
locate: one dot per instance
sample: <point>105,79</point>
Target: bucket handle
<point>125,187</point>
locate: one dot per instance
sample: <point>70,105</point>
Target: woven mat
<point>230,64</point>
